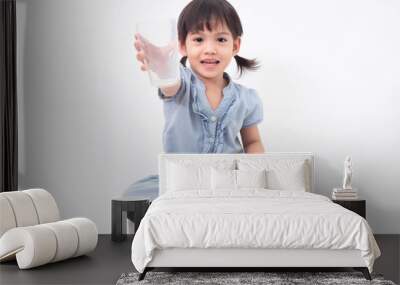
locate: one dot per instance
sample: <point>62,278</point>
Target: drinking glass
<point>160,44</point>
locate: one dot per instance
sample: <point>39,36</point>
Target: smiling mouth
<point>210,62</point>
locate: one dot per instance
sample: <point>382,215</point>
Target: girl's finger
<point>141,39</point>
<point>138,45</point>
<point>140,56</point>
<point>140,59</point>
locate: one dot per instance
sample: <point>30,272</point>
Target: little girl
<point>205,110</point>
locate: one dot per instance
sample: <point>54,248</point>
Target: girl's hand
<point>140,55</point>
<point>153,57</point>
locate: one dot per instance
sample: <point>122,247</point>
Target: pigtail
<point>183,61</point>
<point>244,63</point>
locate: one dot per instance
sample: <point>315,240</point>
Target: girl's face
<point>210,52</point>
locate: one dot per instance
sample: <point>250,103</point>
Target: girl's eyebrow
<point>200,32</point>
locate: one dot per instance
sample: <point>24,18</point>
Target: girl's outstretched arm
<point>251,140</point>
<point>171,90</point>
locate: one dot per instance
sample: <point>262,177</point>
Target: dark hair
<point>200,13</point>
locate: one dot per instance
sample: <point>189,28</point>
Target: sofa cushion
<point>7,215</point>
<point>27,208</point>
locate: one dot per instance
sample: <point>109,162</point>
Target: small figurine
<point>348,172</point>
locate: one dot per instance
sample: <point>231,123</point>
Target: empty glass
<point>160,44</point>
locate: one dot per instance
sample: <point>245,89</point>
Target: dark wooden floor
<point>111,259</point>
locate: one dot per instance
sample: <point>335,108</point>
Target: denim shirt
<point>192,126</point>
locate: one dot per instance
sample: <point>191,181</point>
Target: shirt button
<point>213,118</point>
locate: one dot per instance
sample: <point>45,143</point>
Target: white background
<point>90,124</point>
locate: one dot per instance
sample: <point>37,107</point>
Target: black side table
<point>135,208</point>
<point>357,206</point>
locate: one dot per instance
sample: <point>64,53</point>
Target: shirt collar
<point>202,102</point>
<point>200,82</point>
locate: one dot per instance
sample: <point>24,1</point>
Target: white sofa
<point>32,233</point>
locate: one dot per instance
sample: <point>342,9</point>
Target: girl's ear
<point>182,49</point>
<point>236,45</point>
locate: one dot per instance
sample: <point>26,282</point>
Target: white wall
<point>90,123</point>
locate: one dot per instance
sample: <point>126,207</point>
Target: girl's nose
<point>210,48</point>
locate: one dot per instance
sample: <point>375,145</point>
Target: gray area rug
<point>269,278</point>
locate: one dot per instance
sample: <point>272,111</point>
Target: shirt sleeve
<point>255,109</point>
<point>185,80</point>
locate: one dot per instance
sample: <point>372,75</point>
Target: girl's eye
<point>199,40</point>
<point>222,40</point>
